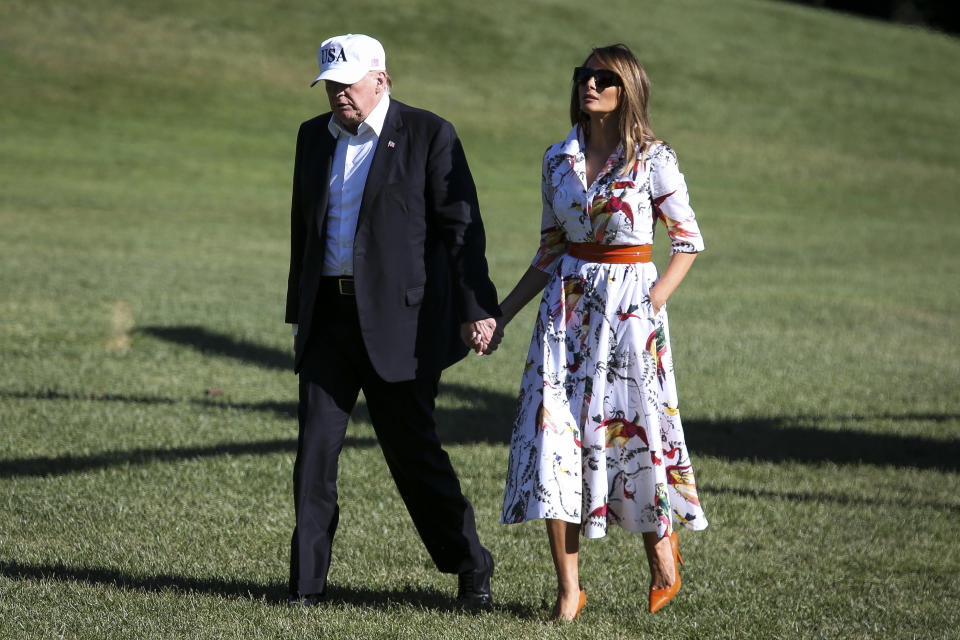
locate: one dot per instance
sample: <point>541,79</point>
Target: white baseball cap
<point>346,59</point>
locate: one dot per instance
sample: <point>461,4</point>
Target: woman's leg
<point>660,558</point>
<point>565,548</point>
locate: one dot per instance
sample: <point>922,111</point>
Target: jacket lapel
<point>384,156</point>
<point>318,174</point>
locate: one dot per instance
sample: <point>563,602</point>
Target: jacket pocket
<point>414,296</point>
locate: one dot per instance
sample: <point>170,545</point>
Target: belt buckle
<point>345,286</point>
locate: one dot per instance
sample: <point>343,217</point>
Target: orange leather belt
<point>616,254</point>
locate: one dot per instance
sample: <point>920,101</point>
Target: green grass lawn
<point>147,409</point>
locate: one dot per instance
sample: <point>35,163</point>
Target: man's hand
<point>478,334</point>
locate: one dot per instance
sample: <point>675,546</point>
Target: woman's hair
<point>632,108</point>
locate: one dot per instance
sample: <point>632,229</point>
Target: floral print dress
<point>597,437</point>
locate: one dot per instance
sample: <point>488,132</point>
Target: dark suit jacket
<point>418,256</point>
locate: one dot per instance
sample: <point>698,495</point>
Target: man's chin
<point>349,119</point>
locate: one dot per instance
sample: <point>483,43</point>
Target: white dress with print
<point>597,437</point>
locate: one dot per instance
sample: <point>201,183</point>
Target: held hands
<point>483,336</point>
<point>499,324</point>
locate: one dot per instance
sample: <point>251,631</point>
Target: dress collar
<point>573,144</point>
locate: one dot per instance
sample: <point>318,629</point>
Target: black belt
<point>343,285</point>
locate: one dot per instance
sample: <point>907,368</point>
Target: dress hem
<point>686,525</point>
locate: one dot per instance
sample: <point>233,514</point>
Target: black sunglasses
<point>603,78</point>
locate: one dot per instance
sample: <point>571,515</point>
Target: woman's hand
<point>656,301</point>
<point>497,336</point>
<point>672,276</point>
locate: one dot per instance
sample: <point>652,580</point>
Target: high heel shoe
<point>660,597</point>
<point>580,604</point>
<point>675,545</point>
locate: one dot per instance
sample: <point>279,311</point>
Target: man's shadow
<point>486,418</point>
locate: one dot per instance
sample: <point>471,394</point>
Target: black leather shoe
<point>309,600</point>
<point>474,586</point>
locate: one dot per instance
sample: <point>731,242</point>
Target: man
<point>388,284</point>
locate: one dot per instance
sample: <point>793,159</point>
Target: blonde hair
<point>634,123</point>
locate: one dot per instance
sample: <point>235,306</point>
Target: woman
<point>597,436</point>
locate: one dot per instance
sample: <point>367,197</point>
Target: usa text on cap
<point>346,59</point>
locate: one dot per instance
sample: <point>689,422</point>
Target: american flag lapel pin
<point>391,144</point>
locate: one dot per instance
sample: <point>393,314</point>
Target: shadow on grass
<point>776,439</point>
<point>487,420</point>
<point>273,594</point>
<point>487,416</point>
<point>63,465</point>
<point>797,439</point>
<point>221,344</point>
<point>829,498</point>
<point>454,426</point>
<point>160,582</point>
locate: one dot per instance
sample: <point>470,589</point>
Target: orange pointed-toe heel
<point>675,545</point>
<point>660,597</point>
<point>581,604</point>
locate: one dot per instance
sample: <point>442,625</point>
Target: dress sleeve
<point>553,239</point>
<point>671,203</point>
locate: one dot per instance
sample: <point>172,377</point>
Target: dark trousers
<point>335,368</point>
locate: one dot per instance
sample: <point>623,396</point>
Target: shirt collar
<point>373,122</point>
